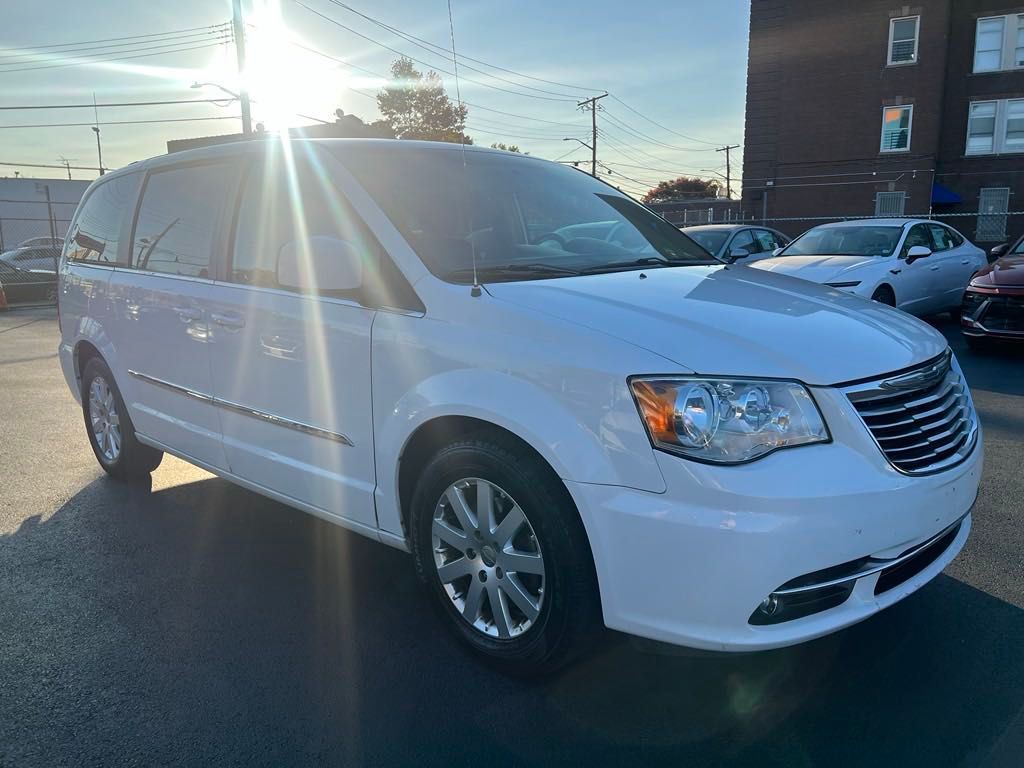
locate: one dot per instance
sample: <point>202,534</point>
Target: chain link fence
<point>29,251</point>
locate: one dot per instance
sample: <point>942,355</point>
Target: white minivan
<point>566,425</point>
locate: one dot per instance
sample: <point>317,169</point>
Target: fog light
<point>770,605</point>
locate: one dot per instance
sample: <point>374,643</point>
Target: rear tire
<point>110,429</point>
<point>549,605</point>
<point>884,295</point>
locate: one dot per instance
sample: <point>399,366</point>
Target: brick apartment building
<point>868,107</point>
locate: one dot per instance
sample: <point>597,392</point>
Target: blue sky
<point>682,64</point>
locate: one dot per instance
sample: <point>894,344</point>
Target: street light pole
<point>238,28</point>
<point>99,148</point>
<point>96,130</point>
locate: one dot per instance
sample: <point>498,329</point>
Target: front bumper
<point>997,314</point>
<point>691,566</point>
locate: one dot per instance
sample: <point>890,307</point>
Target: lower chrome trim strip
<point>194,394</point>
<point>872,566</point>
<point>245,410</point>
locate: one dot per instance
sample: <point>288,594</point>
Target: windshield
<point>521,218</point>
<point>711,239</point>
<point>846,241</point>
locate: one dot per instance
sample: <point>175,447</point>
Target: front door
<point>917,284</point>
<point>291,369</point>
<point>160,300</point>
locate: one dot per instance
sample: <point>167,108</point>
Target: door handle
<point>966,262</point>
<point>935,268</point>
<point>228,321</point>
<point>188,314</point>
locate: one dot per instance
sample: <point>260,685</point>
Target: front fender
<point>575,450</point>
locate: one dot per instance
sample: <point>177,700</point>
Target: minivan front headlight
<point>727,421</point>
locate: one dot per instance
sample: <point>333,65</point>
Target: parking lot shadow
<point>204,625</point>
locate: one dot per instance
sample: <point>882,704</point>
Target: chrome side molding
<point>245,410</point>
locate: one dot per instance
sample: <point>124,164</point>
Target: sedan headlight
<point>727,421</point>
<point>847,284</point>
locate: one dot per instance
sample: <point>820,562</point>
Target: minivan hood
<point>736,321</point>
<point>817,269</point>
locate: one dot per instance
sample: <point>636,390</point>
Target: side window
<point>918,235</point>
<point>942,237</point>
<point>286,203</point>
<point>97,226</point>
<point>744,240</point>
<point>179,217</point>
<point>766,241</point>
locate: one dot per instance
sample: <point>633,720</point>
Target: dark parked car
<point>738,242</point>
<point>993,306</point>
<point>26,286</point>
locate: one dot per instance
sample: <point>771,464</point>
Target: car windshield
<point>846,241</point>
<point>520,218</point>
<point>712,239</point>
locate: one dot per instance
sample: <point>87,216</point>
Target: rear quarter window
<point>96,231</point>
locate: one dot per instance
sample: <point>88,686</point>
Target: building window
<point>993,203</point>
<point>896,123</point>
<point>903,40</point>
<point>995,127</point>
<point>890,203</point>
<point>1014,140</point>
<point>981,128</point>
<point>999,43</point>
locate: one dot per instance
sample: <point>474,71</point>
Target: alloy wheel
<point>103,416</point>
<point>488,558</point>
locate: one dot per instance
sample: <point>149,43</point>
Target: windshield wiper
<point>646,261</point>
<point>512,270</point>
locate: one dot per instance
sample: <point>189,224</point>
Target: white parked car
<point>416,342</point>
<point>920,266</point>
<point>738,243</point>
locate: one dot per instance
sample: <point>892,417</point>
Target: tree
<point>683,188</point>
<point>415,106</point>
<point>508,147</point>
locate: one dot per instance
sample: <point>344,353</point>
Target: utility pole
<point>728,169</point>
<point>45,188</point>
<point>238,28</point>
<point>96,129</point>
<point>67,164</point>
<point>591,104</point>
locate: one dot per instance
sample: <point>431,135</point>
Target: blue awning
<point>944,195</point>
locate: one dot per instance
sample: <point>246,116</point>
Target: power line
<point>110,39</point>
<point>399,32</point>
<point>446,54</point>
<point>643,136</point>
<point>45,165</point>
<point>128,122</point>
<point>118,104</point>
<point>653,122</point>
<point>420,61</point>
<point>193,37</point>
<point>86,62</point>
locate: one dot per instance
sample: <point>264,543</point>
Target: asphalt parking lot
<point>195,623</point>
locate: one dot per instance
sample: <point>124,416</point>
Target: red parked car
<point>993,306</point>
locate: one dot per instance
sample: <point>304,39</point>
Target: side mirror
<point>918,252</point>
<point>324,264</point>
<point>738,253</point>
<point>998,251</point>
<point>777,251</point>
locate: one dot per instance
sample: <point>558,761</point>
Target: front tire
<point>500,546</point>
<point>884,295</point>
<point>110,429</point>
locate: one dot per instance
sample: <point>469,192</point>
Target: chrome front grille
<point>923,420</point>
